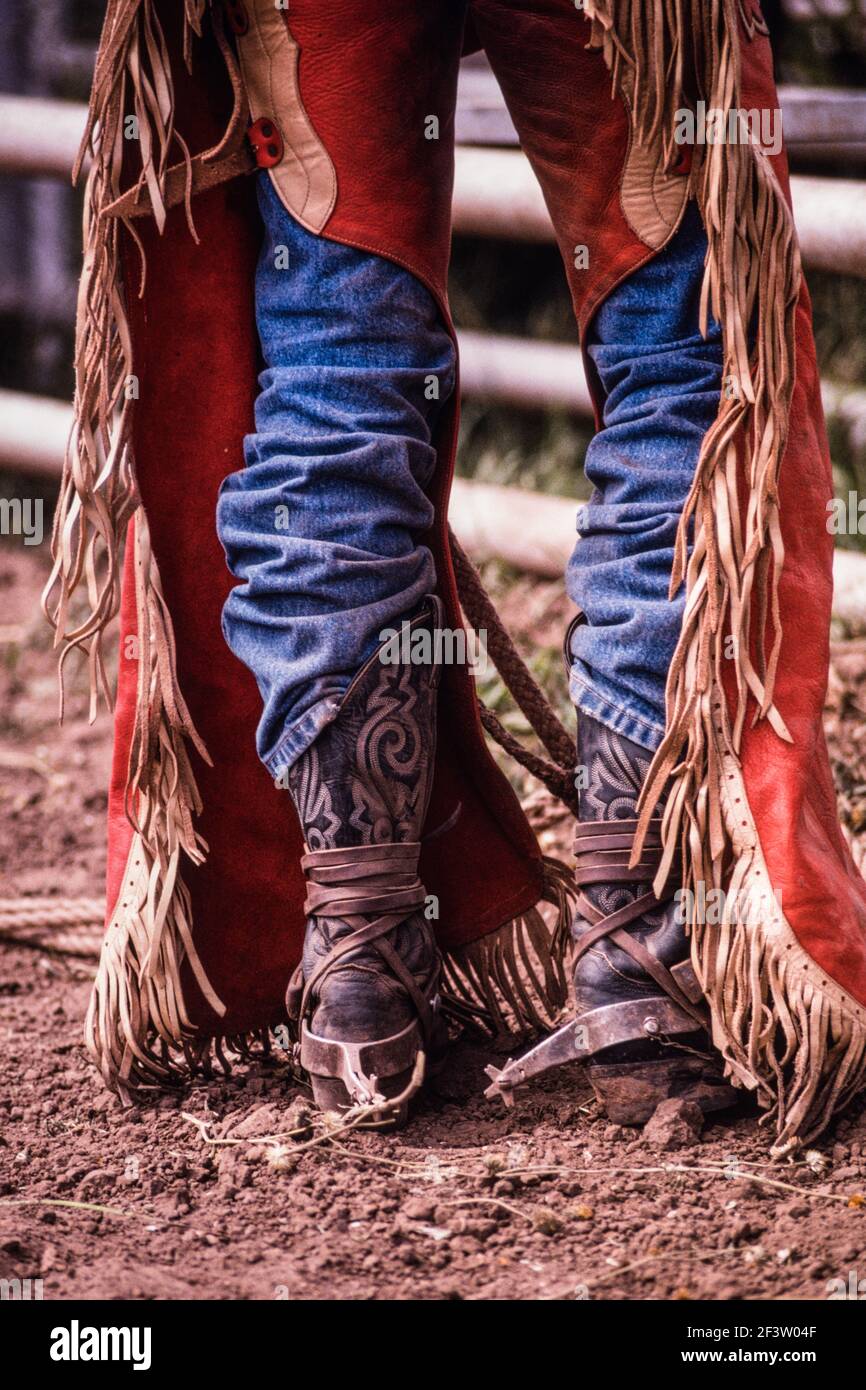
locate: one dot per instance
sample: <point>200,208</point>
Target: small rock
<point>263,1120</point>
<point>675,1124</point>
<point>482,1228</point>
<point>796,1210</point>
<point>419,1209</point>
<point>97,1177</point>
<point>746,1230</point>
<point>741,1188</point>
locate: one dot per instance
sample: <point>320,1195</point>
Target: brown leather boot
<point>640,1023</point>
<point>637,1000</point>
<point>364,999</point>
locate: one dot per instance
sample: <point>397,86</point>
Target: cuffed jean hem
<point>295,741</point>
<point>620,719</point>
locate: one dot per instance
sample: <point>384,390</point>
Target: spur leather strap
<point>355,885</point>
<point>602,852</point>
<point>352,884</point>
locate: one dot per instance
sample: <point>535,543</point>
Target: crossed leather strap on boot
<point>351,884</point>
<point>602,850</point>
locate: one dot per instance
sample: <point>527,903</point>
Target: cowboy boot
<point>364,999</point>
<point>640,1023</point>
<point>637,999</point>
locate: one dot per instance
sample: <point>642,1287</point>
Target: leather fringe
<point>132,81</point>
<point>137,990</point>
<point>510,985</point>
<point>513,983</point>
<point>137,995</point>
<point>785,1030</point>
<point>171,1066</point>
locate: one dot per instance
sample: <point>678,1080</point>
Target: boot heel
<point>630,1092</point>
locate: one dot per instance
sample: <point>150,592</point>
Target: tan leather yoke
<point>304,177</point>
<point>652,198</point>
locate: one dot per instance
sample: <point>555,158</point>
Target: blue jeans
<point>322,526</point>
<point>661,381</point>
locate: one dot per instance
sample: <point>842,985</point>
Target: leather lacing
<point>353,883</point>
<point>602,850</point>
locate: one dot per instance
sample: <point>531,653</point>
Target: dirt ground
<point>231,1191</point>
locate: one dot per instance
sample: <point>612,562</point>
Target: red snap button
<point>236,13</point>
<point>267,142</point>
